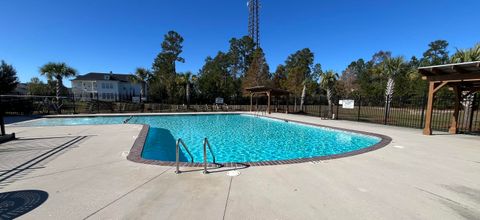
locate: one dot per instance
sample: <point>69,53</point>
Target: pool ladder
<point>260,112</point>
<point>206,145</point>
<point>128,119</point>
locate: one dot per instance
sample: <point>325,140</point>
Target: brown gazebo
<point>269,92</point>
<point>463,78</point>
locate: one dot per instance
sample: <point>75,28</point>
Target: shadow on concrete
<point>460,133</point>
<point>17,203</point>
<point>161,146</point>
<point>7,137</point>
<point>9,176</point>
<point>43,138</point>
<point>220,168</point>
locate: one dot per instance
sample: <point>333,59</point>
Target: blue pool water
<point>234,138</point>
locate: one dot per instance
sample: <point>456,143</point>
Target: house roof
<point>101,76</point>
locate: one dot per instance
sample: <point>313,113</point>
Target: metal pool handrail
<point>259,112</point>
<point>128,119</point>
<point>177,154</point>
<point>205,145</point>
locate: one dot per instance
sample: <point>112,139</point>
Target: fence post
<point>320,109</point>
<point>2,122</point>
<point>424,103</point>
<point>337,116</point>
<point>472,110</point>
<point>98,104</point>
<point>74,107</point>
<point>32,104</point>
<point>359,106</point>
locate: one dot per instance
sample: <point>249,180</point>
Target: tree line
<point>243,65</point>
<point>385,74</point>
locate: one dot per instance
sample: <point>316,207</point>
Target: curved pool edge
<point>135,154</point>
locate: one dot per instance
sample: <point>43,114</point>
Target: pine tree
<point>8,78</point>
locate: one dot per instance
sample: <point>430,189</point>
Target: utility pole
<point>254,21</point>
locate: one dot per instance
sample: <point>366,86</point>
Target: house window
<point>103,85</point>
<point>103,95</point>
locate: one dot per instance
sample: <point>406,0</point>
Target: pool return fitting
<point>205,163</point>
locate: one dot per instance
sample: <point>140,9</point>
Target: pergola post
<point>2,122</point>
<point>288,100</point>
<point>268,105</point>
<point>271,93</point>
<point>461,76</point>
<point>432,89</point>
<point>428,118</point>
<point>454,121</point>
<point>251,101</point>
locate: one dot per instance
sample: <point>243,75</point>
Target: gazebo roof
<point>273,91</point>
<point>461,77</point>
<point>466,75</point>
<point>452,72</point>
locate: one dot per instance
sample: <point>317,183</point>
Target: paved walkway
<point>415,177</point>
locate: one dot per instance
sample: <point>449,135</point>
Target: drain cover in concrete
<point>233,173</point>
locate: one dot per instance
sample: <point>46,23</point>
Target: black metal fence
<point>45,105</point>
<point>405,112</point>
<point>397,111</point>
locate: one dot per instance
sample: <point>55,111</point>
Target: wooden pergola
<point>269,92</point>
<point>463,78</point>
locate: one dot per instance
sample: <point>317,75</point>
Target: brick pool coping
<point>135,154</point>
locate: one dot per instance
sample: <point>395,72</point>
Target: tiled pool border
<point>135,154</point>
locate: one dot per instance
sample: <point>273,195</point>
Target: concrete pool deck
<point>414,177</point>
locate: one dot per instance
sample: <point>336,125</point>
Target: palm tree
<point>304,93</point>
<point>142,76</point>
<point>57,71</point>
<point>186,80</point>
<point>469,55</point>
<point>391,68</point>
<point>327,82</point>
<point>314,76</point>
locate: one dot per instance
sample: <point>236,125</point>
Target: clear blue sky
<point>116,35</point>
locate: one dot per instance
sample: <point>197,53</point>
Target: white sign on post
<point>348,103</point>
<point>136,99</point>
<point>219,101</point>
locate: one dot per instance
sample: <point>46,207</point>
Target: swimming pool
<point>236,138</point>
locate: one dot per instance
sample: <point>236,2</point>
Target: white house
<point>106,87</point>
